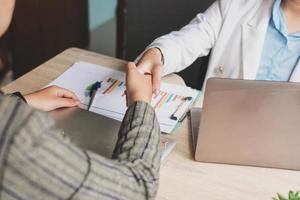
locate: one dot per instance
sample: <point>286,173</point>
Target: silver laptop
<point>254,123</point>
<point>95,132</point>
<point>88,130</point>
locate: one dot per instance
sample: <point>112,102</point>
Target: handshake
<point>141,82</point>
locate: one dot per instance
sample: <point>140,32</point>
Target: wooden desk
<point>181,176</point>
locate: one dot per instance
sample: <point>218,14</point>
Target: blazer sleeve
<point>38,162</point>
<point>181,48</point>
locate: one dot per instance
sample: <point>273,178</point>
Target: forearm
<point>134,172</point>
<point>12,109</point>
<point>151,56</point>
<point>139,134</point>
<point>139,138</point>
<point>39,150</point>
<point>181,48</point>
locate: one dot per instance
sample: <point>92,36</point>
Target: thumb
<point>130,66</point>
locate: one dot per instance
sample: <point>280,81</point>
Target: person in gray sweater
<point>38,162</point>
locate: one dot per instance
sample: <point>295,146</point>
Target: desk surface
<point>181,176</point>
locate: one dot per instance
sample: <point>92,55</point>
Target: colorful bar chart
<point>165,98</point>
<point>114,84</point>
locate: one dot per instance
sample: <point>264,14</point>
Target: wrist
<point>138,98</point>
<point>18,94</point>
<point>161,55</point>
<point>27,98</point>
<point>153,56</point>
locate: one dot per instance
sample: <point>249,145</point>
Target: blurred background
<point>42,29</point>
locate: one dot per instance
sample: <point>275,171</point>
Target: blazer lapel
<point>253,37</point>
<point>296,73</point>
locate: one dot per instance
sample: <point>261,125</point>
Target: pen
<point>180,111</point>
<point>93,93</point>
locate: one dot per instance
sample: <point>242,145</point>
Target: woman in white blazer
<point>234,31</point>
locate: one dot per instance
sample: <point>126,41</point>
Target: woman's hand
<point>51,98</point>
<point>151,63</point>
<point>138,85</point>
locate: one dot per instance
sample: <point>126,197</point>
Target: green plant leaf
<point>291,195</point>
<point>281,197</point>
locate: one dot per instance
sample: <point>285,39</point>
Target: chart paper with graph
<point>110,99</point>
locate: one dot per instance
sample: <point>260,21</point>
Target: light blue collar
<point>278,19</point>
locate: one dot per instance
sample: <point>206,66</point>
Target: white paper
<point>110,100</point>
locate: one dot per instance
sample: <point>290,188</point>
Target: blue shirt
<point>281,51</point>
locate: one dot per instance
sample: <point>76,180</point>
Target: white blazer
<point>233,30</point>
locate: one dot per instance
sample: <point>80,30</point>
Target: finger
<point>66,102</point>
<point>156,74</point>
<point>61,92</point>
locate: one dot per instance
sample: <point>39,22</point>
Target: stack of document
<point>171,104</point>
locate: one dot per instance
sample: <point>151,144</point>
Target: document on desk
<point>170,104</point>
